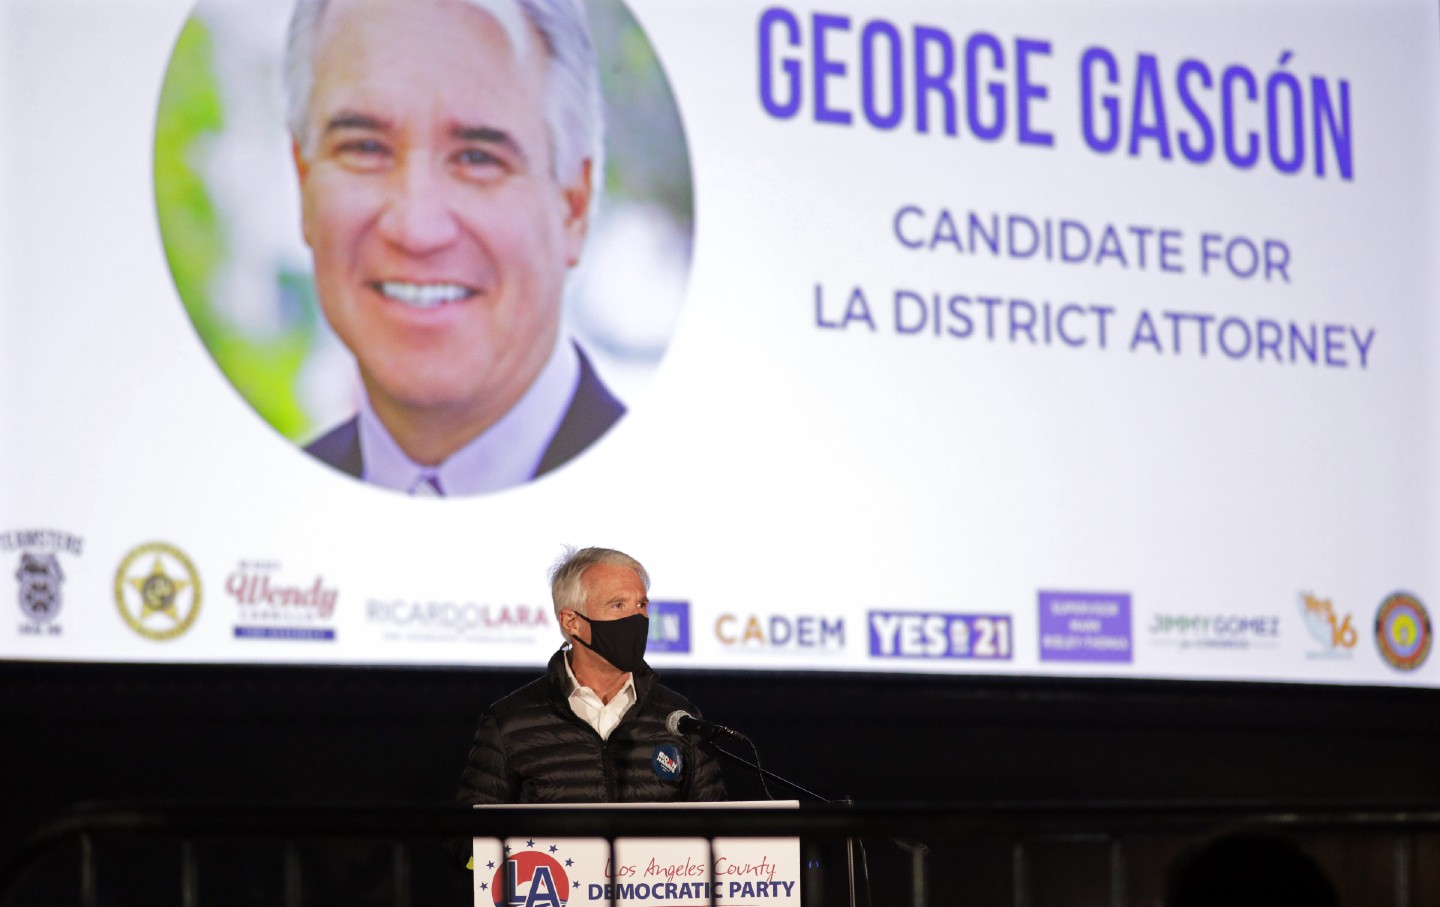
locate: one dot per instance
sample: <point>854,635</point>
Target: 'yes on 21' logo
<point>915,634</point>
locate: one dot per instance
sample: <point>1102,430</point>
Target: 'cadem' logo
<point>158,591</point>
<point>781,631</point>
<point>1402,631</point>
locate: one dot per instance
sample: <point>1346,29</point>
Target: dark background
<point>74,733</point>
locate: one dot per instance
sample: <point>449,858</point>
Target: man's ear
<point>577,198</point>
<point>302,172</point>
<point>302,167</point>
<point>569,623</point>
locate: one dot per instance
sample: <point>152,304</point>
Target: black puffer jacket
<point>531,747</point>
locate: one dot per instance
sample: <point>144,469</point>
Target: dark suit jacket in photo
<point>592,411</point>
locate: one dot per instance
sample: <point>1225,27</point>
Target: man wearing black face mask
<point>592,730</point>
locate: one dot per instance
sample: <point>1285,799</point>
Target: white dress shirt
<point>602,716</point>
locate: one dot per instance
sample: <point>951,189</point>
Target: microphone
<point>681,723</point>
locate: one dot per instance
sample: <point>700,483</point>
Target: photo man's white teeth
<point>423,295</point>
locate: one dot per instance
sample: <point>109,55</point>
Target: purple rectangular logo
<point>1085,626</point>
<point>932,634</point>
<point>669,626</point>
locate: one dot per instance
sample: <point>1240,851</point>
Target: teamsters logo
<point>1402,631</point>
<point>158,591</point>
<point>40,576</point>
<point>272,607</point>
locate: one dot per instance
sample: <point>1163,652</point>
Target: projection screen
<point>1039,338</point>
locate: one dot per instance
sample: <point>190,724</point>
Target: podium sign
<point>639,872</point>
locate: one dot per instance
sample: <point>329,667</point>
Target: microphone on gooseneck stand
<point>681,723</point>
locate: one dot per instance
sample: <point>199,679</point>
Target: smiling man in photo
<point>447,154</point>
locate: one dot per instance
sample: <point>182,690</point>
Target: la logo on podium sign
<point>638,872</point>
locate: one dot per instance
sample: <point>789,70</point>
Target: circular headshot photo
<point>437,244</point>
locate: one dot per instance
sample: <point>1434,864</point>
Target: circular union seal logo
<point>1402,631</point>
<point>157,591</point>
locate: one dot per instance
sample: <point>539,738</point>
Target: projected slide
<point>1040,338</point>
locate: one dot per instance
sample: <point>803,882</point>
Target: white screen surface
<point>815,477</point>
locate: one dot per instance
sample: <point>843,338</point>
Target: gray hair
<point>574,117</point>
<point>567,588</point>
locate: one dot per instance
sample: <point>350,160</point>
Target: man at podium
<point>592,730</point>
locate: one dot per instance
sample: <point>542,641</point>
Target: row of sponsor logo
<point>159,595</point>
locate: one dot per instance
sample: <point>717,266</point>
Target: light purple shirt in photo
<point>505,455</point>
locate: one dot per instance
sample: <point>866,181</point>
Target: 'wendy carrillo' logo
<point>40,576</point>
<point>269,605</point>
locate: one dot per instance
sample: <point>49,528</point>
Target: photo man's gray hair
<point>567,590</point>
<point>574,117</point>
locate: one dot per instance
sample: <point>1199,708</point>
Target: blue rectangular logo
<point>930,634</point>
<point>669,627</point>
<point>1085,626</point>
<point>307,633</point>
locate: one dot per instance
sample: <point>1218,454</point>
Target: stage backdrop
<point>1044,338</point>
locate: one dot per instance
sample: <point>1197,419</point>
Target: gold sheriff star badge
<point>160,603</point>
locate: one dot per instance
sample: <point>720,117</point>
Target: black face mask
<point>620,642</point>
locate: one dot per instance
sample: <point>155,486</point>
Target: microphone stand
<point>771,776</point>
<point>916,849</point>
